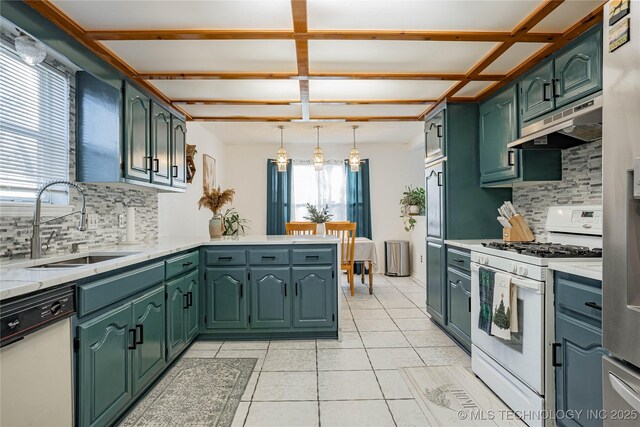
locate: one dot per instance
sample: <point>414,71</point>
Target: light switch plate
<point>121,221</point>
<point>92,221</point>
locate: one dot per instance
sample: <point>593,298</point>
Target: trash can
<point>396,258</point>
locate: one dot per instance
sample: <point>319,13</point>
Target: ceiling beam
<point>297,119</point>
<point>299,13</point>
<point>522,29</point>
<point>298,102</point>
<point>469,36</point>
<point>314,76</point>
<point>62,21</point>
<point>571,34</point>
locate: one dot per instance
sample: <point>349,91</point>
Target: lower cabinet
<point>226,305</point>
<point>436,288</point>
<point>459,305</point>
<point>314,290</point>
<point>270,306</point>
<point>578,348</point>
<point>119,352</point>
<point>182,312</point>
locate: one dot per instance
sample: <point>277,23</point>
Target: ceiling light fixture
<point>30,50</point>
<point>318,155</point>
<point>281,157</point>
<point>354,156</point>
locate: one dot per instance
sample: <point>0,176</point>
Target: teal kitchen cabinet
<point>314,296</point>
<point>499,127</point>
<point>161,145</point>
<point>459,295</point>
<point>434,200</point>
<point>270,305</point>
<point>137,138</point>
<point>577,351</point>
<point>434,137</point>
<point>104,383</point>
<point>225,299</point>
<point>177,304</point>
<point>192,323</point>
<point>536,92</point>
<point>178,153</point>
<point>436,287</point>
<point>578,70</point>
<point>149,321</point>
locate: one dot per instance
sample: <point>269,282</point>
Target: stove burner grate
<point>547,250</point>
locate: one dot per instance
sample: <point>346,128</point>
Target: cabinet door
<point>193,293</point>
<point>434,137</point>
<point>270,297</point>
<point>578,71</point>
<point>579,374</point>
<point>104,367</point>
<point>435,200</point>
<point>536,92</point>
<point>177,304</point>
<point>314,294</point>
<point>149,321</point>
<point>499,127</point>
<point>436,292</point>
<point>226,298</point>
<point>178,153</point>
<point>137,141</point>
<point>161,145</point>
<point>459,304</point>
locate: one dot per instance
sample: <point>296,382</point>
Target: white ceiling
<point>285,90</point>
<point>514,56</point>
<point>243,110</point>
<point>565,15</point>
<point>376,89</point>
<point>381,110</point>
<point>473,89</point>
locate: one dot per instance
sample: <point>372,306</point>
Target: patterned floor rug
<point>195,392</point>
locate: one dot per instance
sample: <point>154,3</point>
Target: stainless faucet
<point>36,244</point>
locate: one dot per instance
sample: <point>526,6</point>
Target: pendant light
<point>30,50</point>
<point>354,156</point>
<point>318,155</point>
<point>281,157</point>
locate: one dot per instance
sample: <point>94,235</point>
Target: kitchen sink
<point>78,262</point>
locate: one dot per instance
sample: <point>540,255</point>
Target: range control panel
<point>587,218</point>
<point>25,315</point>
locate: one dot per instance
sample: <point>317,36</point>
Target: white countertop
<point>17,279</point>
<point>588,269</point>
<point>470,244</point>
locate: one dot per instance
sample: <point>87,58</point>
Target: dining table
<point>365,254</point>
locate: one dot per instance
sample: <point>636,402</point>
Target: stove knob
<point>523,271</point>
<point>513,268</point>
<point>484,260</point>
<point>56,307</point>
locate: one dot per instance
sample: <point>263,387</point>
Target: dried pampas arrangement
<point>215,199</point>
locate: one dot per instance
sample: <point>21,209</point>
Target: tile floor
<point>351,383</point>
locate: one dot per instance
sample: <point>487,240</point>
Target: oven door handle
<point>520,282</point>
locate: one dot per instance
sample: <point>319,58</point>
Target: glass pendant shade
<point>31,51</point>
<point>281,156</point>
<point>318,154</point>
<point>354,160</point>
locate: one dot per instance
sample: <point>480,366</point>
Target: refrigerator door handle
<point>625,391</point>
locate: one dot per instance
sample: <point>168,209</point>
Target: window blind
<point>34,129</point>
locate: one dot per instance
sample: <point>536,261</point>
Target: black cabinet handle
<point>285,290</point>
<point>269,258</point>
<point>511,158</point>
<point>311,257</point>
<point>593,305</point>
<point>147,160</point>
<point>132,346</point>
<point>224,258</point>
<point>545,95</point>
<point>185,301</point>
<point>554,356</point>
<point>296,288</point>
<point>156,165</point>
<point>187,264</point>
<point>439,179</point>
<point>555,87</point>
<point>140,329</point>
<point>189,299</point>
<point>241,289</point>
<point>461,261</point>
<point>439,131</point>
<point>174,169</point>
<point>469,305</point>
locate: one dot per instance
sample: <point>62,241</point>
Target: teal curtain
<point>359,198</point>
<point>278,197</point>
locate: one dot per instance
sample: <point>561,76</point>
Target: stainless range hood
<point>573,126</point>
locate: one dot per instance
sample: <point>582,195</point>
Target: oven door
<point>523,355</point>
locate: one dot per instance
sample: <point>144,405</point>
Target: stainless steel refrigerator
<point>621,194</point>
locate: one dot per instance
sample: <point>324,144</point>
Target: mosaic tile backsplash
<point>581,184</point>
<point>104,202</point>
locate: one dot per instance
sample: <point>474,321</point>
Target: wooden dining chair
<point>346,232</point>
<point>300,228</point>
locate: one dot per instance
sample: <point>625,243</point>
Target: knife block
<point>519,231</point>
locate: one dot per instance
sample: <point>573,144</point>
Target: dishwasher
<point>36,359</point>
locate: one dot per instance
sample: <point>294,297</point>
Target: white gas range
<point>519,370</point>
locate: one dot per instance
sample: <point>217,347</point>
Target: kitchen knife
<point>511,209</point>
<point>505,222</point>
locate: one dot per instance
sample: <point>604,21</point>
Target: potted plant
<point>232,223</point>
<point>214,200</point>
<point>412,203</point>
<point>319,216</point>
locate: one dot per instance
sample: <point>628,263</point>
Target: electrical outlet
<point>420,259</point>
<point>121,221</point>
<point>92,221</point>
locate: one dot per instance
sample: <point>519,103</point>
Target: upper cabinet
<point>125,136</point>
<point>567,77</point>
<point>434,137</point>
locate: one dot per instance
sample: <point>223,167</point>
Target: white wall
<point>392,167</point>
<point>418,249</point>
<point>178,213</point>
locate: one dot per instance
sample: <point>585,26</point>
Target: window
<point>326,187</point>
<point>34,129</point>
